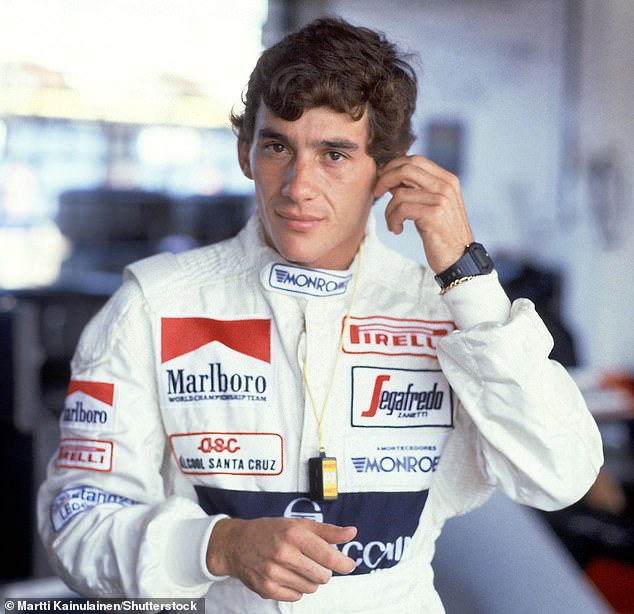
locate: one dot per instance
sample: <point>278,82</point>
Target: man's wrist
<point>474,261</point>
<point>187,545</point>
<point>480,300</point>
<point>217,546</point>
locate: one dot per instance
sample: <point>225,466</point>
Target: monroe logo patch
<point>381,462</point>
<point>301,280</point>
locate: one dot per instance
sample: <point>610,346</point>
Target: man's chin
<point>300,259</point>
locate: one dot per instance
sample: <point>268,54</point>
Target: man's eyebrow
<point>339,144</point>
<point>336,143</point>
<point>267,133</point>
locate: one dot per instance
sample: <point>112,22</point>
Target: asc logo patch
<point>228,453</point>
<point>399,398</point>
<point>222,362</point>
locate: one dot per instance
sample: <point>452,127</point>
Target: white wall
<point>496,67</point>
<point>601,282</point>
<point>544,87</point>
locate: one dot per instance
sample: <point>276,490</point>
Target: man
<point>268,421</point>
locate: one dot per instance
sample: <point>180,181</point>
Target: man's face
<point>313,184</point>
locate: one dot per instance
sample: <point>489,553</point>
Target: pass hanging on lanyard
<point>322,477</point>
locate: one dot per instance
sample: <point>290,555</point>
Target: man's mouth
<point>299,222</point>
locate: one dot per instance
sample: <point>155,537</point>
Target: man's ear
<point>244,148</point>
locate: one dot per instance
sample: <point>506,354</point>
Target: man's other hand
<point>279,558</point>
<point>431,197</point>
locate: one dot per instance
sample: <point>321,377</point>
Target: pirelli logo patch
<point>394,337</point>
<point>90,454</point>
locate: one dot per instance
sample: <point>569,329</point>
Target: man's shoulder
<point>399,273</point>
<point>168,272</point>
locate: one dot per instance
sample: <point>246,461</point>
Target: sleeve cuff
<point>188,547</point>
<point>482,299</point>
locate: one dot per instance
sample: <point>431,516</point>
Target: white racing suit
<point>188,404</point>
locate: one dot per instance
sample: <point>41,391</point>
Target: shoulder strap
<point>156,274</point>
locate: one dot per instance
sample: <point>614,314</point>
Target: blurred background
<point>115,144</point>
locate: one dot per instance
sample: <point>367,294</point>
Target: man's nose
<point>299,181</point>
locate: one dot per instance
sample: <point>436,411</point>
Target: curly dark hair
<point>350,69</point>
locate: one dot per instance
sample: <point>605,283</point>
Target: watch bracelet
<point>455,283</point>
<point>468,265</point>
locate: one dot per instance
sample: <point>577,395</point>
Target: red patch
<point>89,454</point>
<point>101,391</point>
<point>183,335</point>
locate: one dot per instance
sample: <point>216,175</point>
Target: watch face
<point>481,257</point>
<point>475,261</point>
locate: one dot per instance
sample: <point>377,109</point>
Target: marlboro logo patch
<point>89,406</point>
<point>216,363</point>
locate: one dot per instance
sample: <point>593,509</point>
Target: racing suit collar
<point>280,276</point>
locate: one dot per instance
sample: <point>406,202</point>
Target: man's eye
<point>276,147</point>
<point>335,156</point>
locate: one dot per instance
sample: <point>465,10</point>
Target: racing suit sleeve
<point>112,514</point>
<point>534,437</point>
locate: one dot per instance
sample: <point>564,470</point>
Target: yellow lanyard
<point>319,417</point>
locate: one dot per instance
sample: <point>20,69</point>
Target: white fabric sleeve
<point>189,565</point>
<point>534,436</point>
<point>131,527</point>
<point>481,299</point>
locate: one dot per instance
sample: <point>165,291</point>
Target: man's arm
<point>534,436</point>
<point>104,514</point>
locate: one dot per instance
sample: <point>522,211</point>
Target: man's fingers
<point>281,587</point>
<point>415,172</point>
<point>291,574</point>
<point>334,534</point>
<point>279,558</point>
<point>323,554</point>
<point>413,205</point>
<point>429,196</point>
